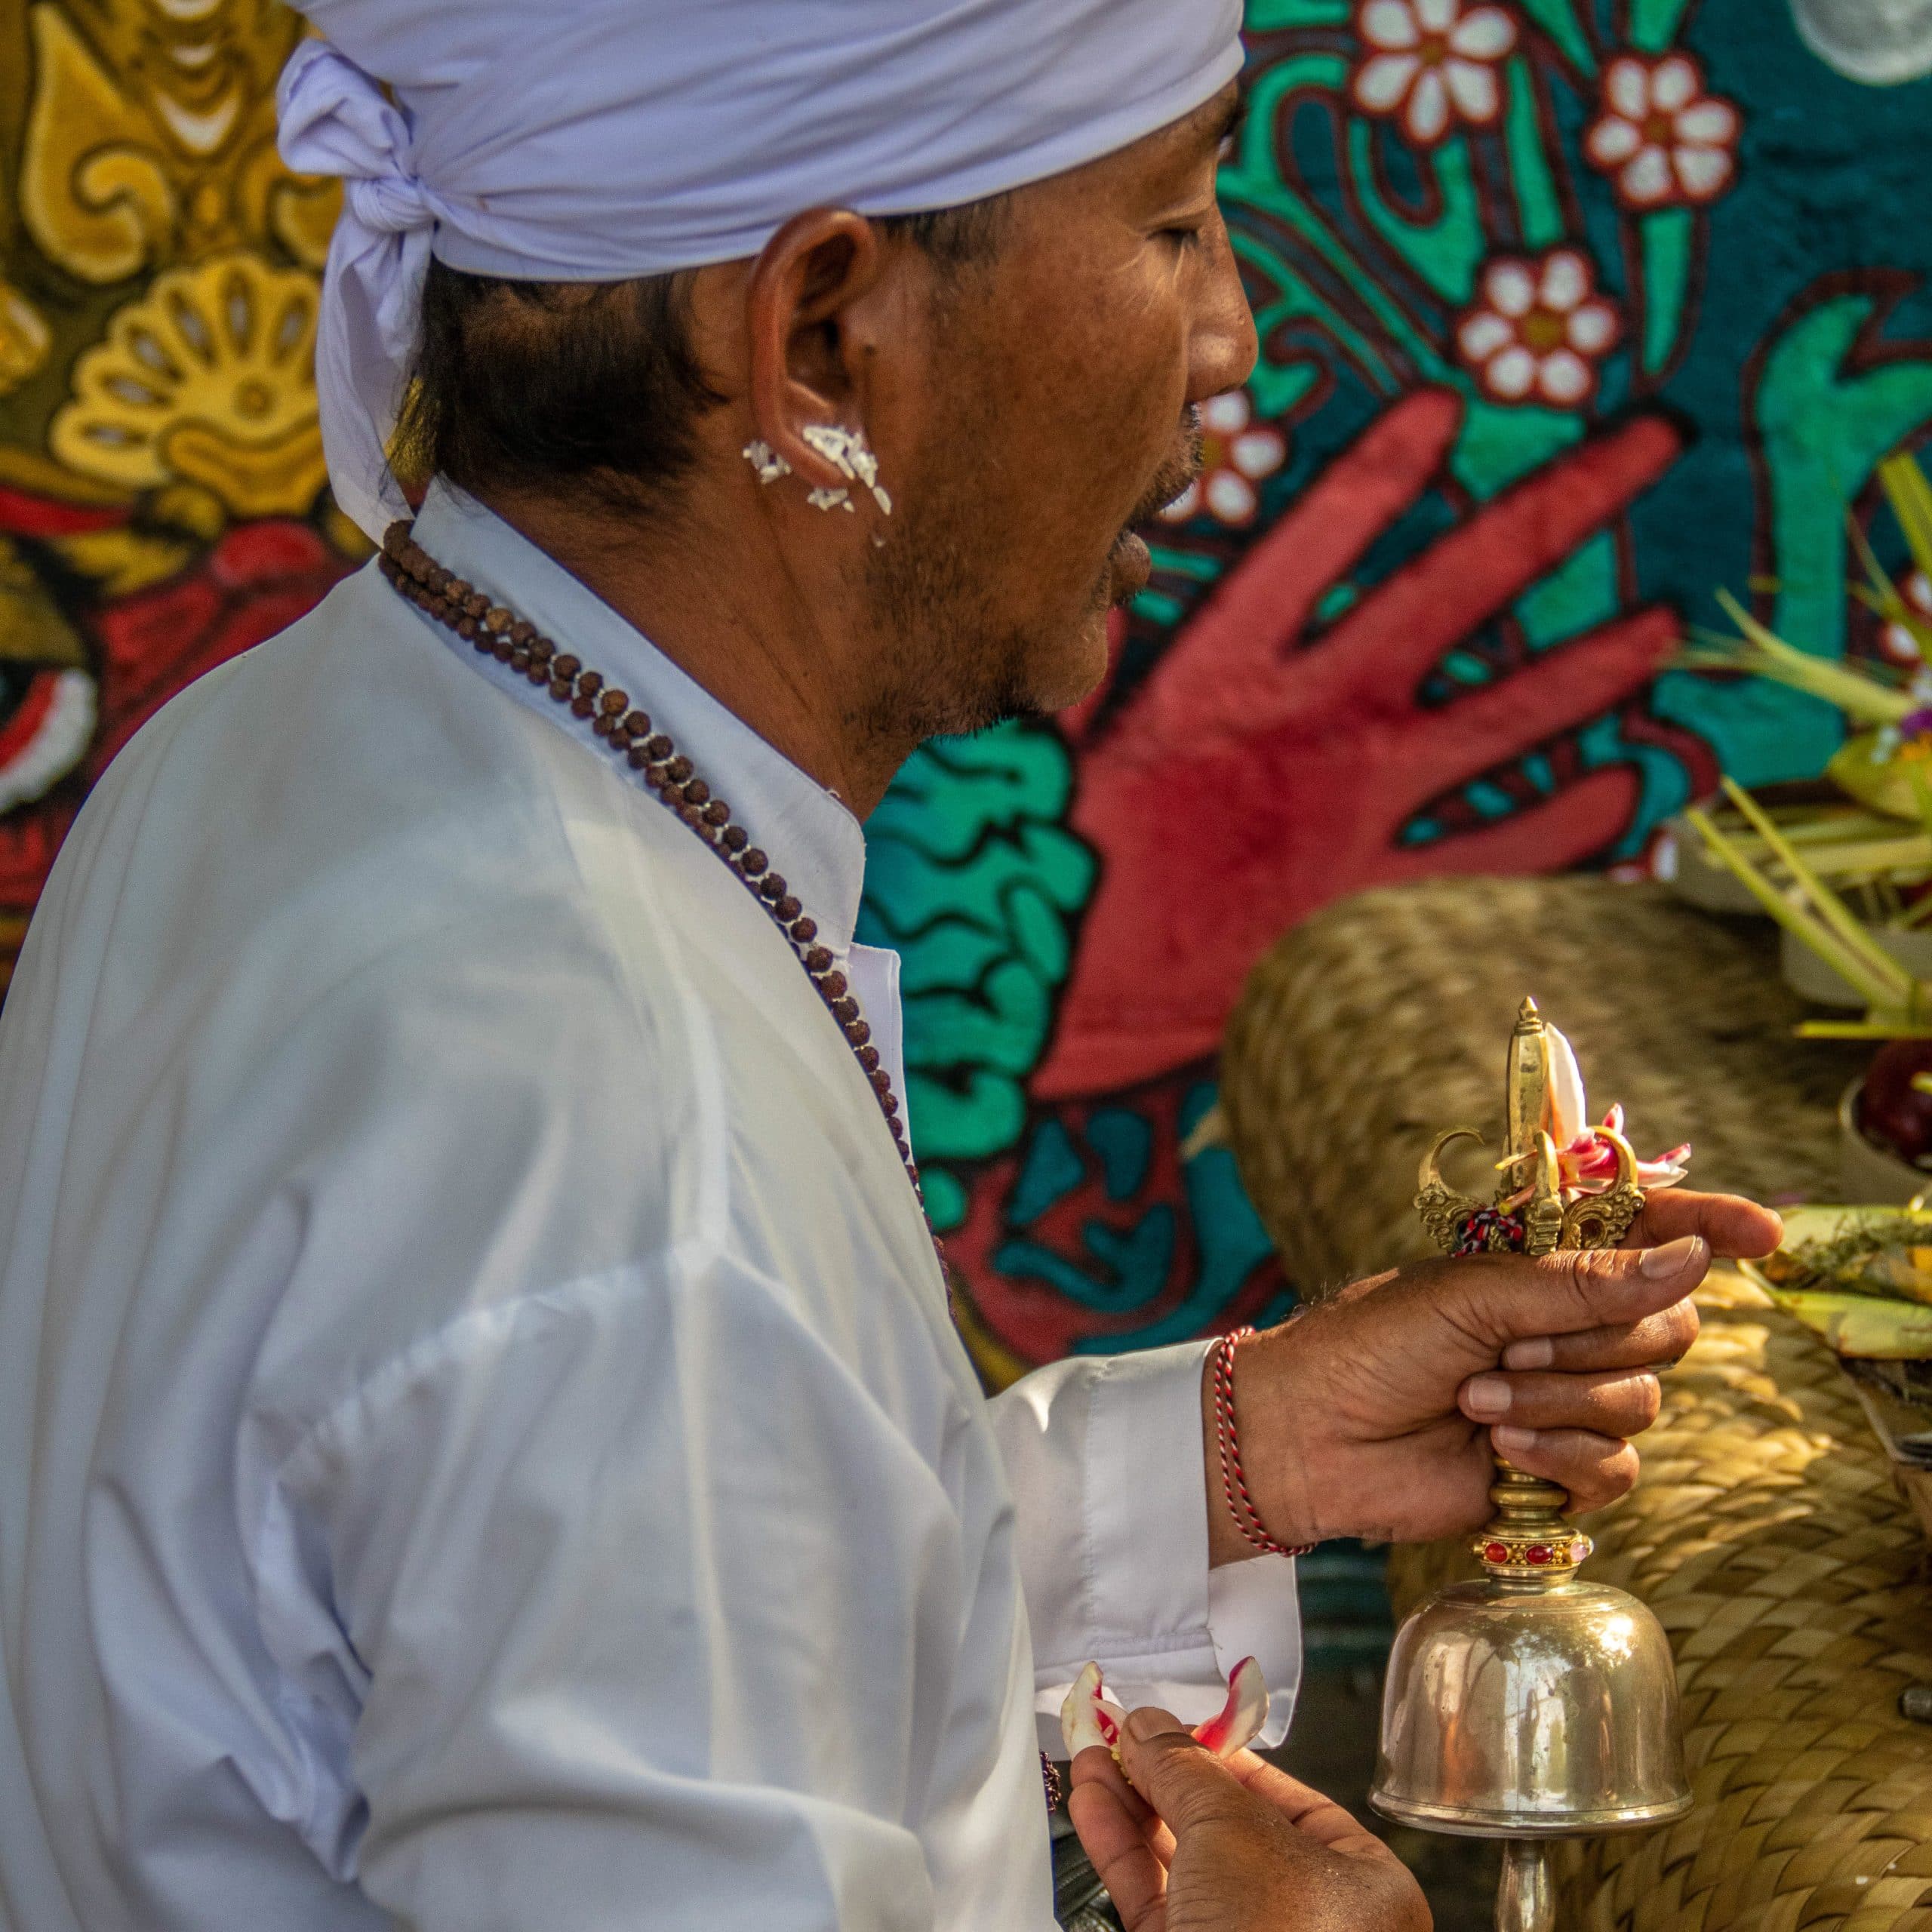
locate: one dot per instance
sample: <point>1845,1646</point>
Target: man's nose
<point>1226,344</point>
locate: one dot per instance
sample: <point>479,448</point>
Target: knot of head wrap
<point>336,121</point>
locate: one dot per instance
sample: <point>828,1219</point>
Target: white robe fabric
<point>481,1443</point>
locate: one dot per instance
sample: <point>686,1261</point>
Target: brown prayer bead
<point>496,630</point>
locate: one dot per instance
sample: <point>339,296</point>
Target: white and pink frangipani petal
<point>1086,1718</point>
<point>1240,1720</point>
<point>1565,1118</point>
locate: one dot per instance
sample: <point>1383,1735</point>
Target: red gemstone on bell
<point>1537,1552</point>
<point>1496,1552</point>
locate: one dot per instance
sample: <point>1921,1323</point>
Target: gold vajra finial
<point>1561,1184</point>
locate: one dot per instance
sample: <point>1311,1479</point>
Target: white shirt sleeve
<point>652,1603</point>
<point>1105,1456</point>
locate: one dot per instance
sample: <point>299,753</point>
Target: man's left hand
<point>1377,1412</point>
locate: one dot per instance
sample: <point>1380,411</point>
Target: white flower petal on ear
<point>1382,83</point>
<point>1565,1116</point>
<point>1240,1720</point>
<point>1483,334</point>
<point>1437,16</point>
<point>1390,26</point>
<point>1626,86</point>
<point>1086,1718</point>
<point>1428,114</point>
<point>1472,88</point>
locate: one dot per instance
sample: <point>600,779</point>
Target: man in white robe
<point>481,1442</point>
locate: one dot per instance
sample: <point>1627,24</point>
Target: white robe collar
<point>811,837</point>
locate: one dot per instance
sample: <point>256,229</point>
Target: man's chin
<point>1130,569</point>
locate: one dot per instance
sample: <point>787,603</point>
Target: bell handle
<point>1526,1900</point>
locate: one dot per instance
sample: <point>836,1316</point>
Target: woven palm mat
<point>1386,1019</point>
<point>1766,1533</point>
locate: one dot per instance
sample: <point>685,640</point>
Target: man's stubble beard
<point>950,664</point>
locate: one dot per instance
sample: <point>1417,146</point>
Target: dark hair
<point>591,388</point>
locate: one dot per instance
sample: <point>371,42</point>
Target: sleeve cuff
<point>1163,1628</point>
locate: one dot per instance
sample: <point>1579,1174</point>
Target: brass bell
<point>1527,1705</point>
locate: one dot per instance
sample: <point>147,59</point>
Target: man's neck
<point>734,620</point>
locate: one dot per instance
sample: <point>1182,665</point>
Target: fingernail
<point>1675,1257</point>
<point>1148,1723</point>
<point>1513,1441</point>
<point>1487,1395</point>
<point>1538,1351</point>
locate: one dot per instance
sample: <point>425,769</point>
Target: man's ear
<point>807,360</point>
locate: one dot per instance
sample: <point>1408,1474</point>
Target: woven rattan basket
<point>1767,1534</point>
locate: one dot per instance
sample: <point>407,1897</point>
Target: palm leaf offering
<point>1898,1006</point>
<point>1860,1277</point>
<point>1885,763</point>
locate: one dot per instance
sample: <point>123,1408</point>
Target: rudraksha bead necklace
<point>497,632</point>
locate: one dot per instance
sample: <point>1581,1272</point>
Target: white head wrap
<point>594,140</point>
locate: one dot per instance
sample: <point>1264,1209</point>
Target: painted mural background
<point>1574,311</point>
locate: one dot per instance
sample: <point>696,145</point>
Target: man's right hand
<point>1192,1845</point>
